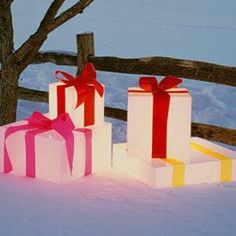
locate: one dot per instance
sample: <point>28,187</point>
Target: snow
<point>114,203</point>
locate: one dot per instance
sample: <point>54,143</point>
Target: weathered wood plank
<point>189,69</point>
<point>85,47</point>
<point>58,58</point>
<point>214,133</point>
<point>32,95</point>
<point>196,70</point>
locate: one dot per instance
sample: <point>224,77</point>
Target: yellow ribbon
<point>226,162</point>
<point>178,175</point>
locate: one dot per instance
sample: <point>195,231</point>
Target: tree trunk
<point>8,94</point>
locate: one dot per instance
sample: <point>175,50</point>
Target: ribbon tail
<point>61,97</point>
<point>7,166</point>
<point>70,150</point>
<point>30,151</point>
<point>88,150</point>
<point>160,119</point>
<point>99,88</point>
<point>30,154</point>
<point>89,107</point>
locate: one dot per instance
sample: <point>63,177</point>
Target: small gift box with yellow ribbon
<point>82,97</point>
<point>159,120</point>
<point>208,163</point>
<point>54,150</point>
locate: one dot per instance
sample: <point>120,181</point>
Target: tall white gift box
<point>148,133</point>
<point>82,97</point>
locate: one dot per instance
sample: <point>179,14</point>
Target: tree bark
<point>8,95</point>
<point>6,31</point>
<point>8,73</point>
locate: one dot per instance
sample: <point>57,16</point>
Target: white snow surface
<point>114,203</point>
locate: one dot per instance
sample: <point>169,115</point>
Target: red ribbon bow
<point>150,84</point>
<point>38,123</point>
<point>161,100</point>
<point>85,85</point>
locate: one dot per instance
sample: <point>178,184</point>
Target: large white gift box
<point>51,162</point>
<point>77,114</point>
<point>140,124</point>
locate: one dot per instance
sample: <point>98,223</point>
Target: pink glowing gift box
<point>53,150</point>
<point>159,120</point>
<point>82,97</point>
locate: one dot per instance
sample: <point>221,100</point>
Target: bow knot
<point>62,124</point>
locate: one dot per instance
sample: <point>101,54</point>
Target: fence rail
<point>196,70</point>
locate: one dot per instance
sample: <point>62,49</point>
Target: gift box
<point>159,120</point>
<point>90,152</point>
<point>82,97</point>
<point>208,163</point>
<point>157,174</point>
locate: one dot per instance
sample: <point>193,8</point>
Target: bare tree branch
<point>69,13</point>
<point>41,33</point>
<point>6,30</point>
<point>26,53</point>
<point>52,11</point>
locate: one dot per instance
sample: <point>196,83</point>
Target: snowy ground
<point>115,204</point>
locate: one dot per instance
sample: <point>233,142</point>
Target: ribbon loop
<point>169,82</point>
<point>148,83</point>
<point>67,78</point>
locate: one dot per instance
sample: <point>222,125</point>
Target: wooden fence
<point>195,70</point>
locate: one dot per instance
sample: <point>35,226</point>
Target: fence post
<point>85,48</point>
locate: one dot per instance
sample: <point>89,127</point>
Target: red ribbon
<point>85,85</point>
<point>38,123</point>
<point>161,101</point>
